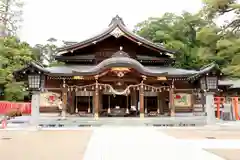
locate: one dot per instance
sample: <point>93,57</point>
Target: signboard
<point>48,99</point>
<point>182,100</point>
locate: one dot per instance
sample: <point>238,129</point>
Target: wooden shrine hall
<point>118,73</point>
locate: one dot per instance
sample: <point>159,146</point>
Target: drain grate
<point>171,125</point>
<point>17,122</point>
<point>6,138</point>
<point>64,125</point>
<point>211,137</point>
<point>84,125</point>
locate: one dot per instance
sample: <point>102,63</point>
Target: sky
<point>76,20</point>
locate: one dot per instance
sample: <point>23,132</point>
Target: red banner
<point>6,106</point>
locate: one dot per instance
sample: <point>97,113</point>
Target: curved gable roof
<point>116,28</point>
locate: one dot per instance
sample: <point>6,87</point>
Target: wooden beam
<point>117,79</point>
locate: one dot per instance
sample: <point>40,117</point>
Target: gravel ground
<point>43,145</point>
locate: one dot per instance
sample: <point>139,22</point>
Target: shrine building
<point>118,73</point>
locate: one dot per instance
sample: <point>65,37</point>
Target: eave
<point>205,70</point>
<point>92,70</point>
<point>34,66</point>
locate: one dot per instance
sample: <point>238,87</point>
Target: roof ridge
<point>115,28</point>
<point>116,19</point>
<point>207,65</point>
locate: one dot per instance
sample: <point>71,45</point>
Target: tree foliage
<point>197,37</point>
<point>14,55</point>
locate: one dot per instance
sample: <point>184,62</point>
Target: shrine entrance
<point>114,101</point>
<point>118,103</point>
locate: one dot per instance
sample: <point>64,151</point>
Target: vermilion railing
<point>235,107</point>
<point>221,100</point>
<point>24,107</point>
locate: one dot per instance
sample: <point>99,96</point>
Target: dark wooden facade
<point>118,69</point>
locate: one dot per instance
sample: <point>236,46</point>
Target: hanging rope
<point>109,88</point>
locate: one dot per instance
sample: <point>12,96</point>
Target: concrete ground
<point>128,143</point>
<point>222,142</point>
<point>227,154</point>
<point>201,133</point>
<point>115,140</point>
<point>43,145</point>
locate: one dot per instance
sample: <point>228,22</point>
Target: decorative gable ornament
<point>117,32</point>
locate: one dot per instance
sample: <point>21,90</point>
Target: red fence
<point>234,100</point>
<point>5,107</point>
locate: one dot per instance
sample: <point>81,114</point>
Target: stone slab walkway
<point>141,143</point>
<point>43,145</point>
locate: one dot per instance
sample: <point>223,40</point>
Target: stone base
<point>96,116</point>
<point>172,114</point>
<point>109,110</point>
<point>141,115</point>
<point>63,114</point>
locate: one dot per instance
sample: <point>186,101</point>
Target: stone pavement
<point>43,145</point>
<point>141,143</point>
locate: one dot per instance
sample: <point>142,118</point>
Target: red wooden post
<point>4,123</point>
<point>235,107</point>
<point>218,102</point>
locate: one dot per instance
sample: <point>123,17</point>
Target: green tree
<point>228,50</point>
<point>13,55</point>
<point>184,33</point>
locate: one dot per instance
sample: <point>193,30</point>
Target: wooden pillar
<point>64,99</point>
<point>100,95</point>
<point>141,98</point>
<point>171,104</point>
<point>71,109</point>
<point>159,109</point>
<point>134,101</point>
<point>133,98</point>
<point>96,100</point>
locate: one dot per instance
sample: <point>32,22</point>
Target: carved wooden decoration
<point>120,71</point>
<point>117,32</point>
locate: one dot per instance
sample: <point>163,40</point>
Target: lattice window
<point>212,82</point>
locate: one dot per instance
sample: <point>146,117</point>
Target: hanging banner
<point>182,100</point>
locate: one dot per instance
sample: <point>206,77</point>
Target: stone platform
<point>55,121</point>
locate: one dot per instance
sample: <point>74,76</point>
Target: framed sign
<point>48,99</point>
<point>182,100</point>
